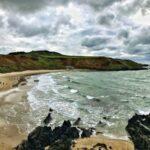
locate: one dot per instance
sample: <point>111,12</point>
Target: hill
<point>36,60</point>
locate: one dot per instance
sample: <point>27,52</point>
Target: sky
<point>113,28</point>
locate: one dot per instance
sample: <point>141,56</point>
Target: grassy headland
<point>37,60</point>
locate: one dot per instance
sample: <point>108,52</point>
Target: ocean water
<point>91,96</point>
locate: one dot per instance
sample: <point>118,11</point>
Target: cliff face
<point>51,60</point>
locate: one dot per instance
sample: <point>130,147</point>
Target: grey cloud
<point>143,37</point>
<point>1,21</point>
<point>29,6</point>
<point>23,5</point>
<point>28,29</point>
<point>23,29</point>
<point>91,42</point>
<point>123,33</point>
<point>98,4</point>
<point>105,19</point>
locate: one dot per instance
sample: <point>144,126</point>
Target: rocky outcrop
<point>60,137</point>
<point>139,130</point>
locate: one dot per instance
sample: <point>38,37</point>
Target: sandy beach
<point>10,80</point>
<point>12,96</point>
<point>113,144</point>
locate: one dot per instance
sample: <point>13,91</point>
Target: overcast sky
<point>114,28</point>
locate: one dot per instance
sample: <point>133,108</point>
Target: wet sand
<point>10,133</point>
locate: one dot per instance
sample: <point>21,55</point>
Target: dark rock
<point>66,125</point>
<point>48,119</point>
<point>87,132</point>
<point>36,80</point>
<point>101,146</point>
<point>139,130</point>
<point>42,137</point>
<point>38,139</point>
<point>51,110</point>
<point>101,124</point>
<point>61,132</point>
<point>77,122</point>
<point>72,133</point>
<point>42,134</point>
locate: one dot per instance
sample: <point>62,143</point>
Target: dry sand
<point>94,143</point>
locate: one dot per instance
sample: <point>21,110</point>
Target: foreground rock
<point>139,130</point>
<point>42,137</point>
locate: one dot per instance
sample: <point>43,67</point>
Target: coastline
<point>11,80</point>
<point>11,131</point>
<point>10,94</point>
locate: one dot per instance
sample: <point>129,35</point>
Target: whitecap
<point>90,97</point>
<point>74,91</point>
<point>143,112</point>
<point>116,137</point>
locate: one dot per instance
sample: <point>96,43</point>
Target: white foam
<point>73,91</point>
<point>116,137</point>
<point>65,108</point>
<point>144,112</point>
<point>32,100</point>
<point>45,82</point>
<point>89,97</point>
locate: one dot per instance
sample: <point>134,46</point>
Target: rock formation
<point>60,137</point>
<point>139,130</point>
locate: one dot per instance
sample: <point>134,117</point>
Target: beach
<point>13,91</point>
<point>14,95</point>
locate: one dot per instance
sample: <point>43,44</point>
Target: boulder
<point>87,132</point>
<point>139,130</point>
<point>38,139</point>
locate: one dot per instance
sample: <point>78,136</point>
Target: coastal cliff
<point>37,60</point>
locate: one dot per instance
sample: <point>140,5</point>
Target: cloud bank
<point>114,28</point>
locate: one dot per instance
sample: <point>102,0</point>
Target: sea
<point>103,100</point>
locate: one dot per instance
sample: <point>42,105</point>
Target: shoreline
<point>11,80</point>
<point>11,131</point>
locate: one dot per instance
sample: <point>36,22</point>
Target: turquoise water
<point>92,96</point>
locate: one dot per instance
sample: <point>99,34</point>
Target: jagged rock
<point>51,110</point>
<point>139,130</point>
<point>101,124</point>
<point>38,139</point>
<point>72,133</point>
<point>63,135</point>
<point>77,122</point>
<point>87,132</point>
<point>48,119</point>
